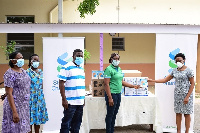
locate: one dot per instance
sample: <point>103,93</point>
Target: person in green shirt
<point>113,80</point>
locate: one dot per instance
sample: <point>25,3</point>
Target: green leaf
<point>88,7</point>
<point>9,48</point>
<point>87,55</point>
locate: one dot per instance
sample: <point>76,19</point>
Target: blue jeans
<point>112,112</point>
<point>72,119</point>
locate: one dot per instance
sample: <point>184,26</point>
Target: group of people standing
<point>71,82</point>
<point>25,105</point>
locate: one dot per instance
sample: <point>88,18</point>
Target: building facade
<point>138,50</point>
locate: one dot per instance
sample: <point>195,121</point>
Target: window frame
<point>123,45</point>
<point>18,45</point>
<point>20,16</point>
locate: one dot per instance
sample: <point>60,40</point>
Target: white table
<point>133,110</point>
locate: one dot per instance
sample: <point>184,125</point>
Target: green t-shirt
<point>116,77</point>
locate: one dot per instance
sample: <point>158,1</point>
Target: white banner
<point>56,52</point>
<point>167,46</point>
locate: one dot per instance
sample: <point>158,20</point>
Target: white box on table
<point>142,81</point>
<point>130,91</point>
<point>131,73</point>
<point>143,91</point>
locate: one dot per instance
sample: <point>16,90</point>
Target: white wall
<point>135,11</point>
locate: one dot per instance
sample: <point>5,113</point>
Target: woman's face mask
<point>20,62</point>
<point>35,64</point>
<point>179,64</point>
<point>115,62</point>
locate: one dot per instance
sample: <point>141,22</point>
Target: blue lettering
<point>169,83</point>
<point>54,88</point>
<point>55,85</point>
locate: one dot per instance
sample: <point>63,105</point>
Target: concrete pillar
<point>198,66</point>
<point>60,14</point>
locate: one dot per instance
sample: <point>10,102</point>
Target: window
<point>24,41</point>
<point>20,19</point>
<point>118,44</point>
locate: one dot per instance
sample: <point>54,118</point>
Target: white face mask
<point>115,62</point>
<point>179,64</point>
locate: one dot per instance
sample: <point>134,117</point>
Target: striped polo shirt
<point>75,83</point>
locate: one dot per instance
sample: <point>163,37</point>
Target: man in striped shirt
<point>72,90</point>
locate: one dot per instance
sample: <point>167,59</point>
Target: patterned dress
<point>182,86</point>
<point>38,110</point>
<point>20,82</point>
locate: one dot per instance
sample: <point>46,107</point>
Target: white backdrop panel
<point>56,52</point>
<point>168,45</point>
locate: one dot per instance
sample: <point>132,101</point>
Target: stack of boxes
<point>98,89</point>
<point>130,76</point>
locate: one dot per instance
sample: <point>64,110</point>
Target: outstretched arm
<point>124,83</point>
<point>166,79</point>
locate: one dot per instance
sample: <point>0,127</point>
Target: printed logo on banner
<point>61,60</point>
<point>172,64</point>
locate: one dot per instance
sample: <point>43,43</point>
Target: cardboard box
<point>122,91</point>
<point>132,73</point>
<point>98,92</point>
<point>94,74</point>
<point>130,91</point>
<point>142,81</point>
<point>97,74</point>
<point>98,89</point>
<point>143,91</point>
<point>97,83</point>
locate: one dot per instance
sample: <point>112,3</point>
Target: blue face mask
<point>35,64</point>
<point>79,60</point>
<point>20,62</point>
